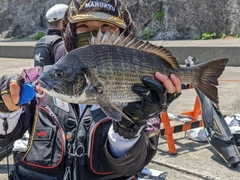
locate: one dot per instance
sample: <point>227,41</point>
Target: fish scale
<point>127,70</point>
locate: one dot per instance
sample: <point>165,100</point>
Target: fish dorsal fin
<point>113,38</point>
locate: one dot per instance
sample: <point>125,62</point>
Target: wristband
<point>128,133</point>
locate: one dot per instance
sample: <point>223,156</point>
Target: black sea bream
<point>105,71</point>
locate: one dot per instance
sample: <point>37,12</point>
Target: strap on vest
<point>76,145</point>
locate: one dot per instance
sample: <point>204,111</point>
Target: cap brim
<point>99,16</point>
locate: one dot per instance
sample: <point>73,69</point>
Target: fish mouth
<point>44,86</point>
<point>48,88</point>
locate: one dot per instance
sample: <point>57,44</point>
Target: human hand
<point>10,92</point>
<point>156,95</point>
<point>172,85</point>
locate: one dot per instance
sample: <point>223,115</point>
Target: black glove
<point>4,87</point>
<point>155,99</point>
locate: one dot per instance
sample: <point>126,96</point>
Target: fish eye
<point>58,74</point>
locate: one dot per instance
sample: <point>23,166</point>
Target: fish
<point>104,72</point>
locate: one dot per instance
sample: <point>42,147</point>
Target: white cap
<point>56,12</point>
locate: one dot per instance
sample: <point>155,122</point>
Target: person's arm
<point>139,154</point>
<point>118,145</point>
<point>21,124</point>
<point>141,145</point>
<point>19,118</point>
<point>12,119</point>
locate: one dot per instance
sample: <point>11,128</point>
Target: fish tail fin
<point>206,77</point>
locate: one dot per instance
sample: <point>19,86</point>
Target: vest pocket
<point>47,145</point>
<point>96,141</point>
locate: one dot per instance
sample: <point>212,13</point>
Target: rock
<point>181,19</point>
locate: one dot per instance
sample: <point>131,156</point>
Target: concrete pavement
<point>194,160</point>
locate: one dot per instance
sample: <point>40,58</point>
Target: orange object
<point>68,136</point>
<point>169,130</point>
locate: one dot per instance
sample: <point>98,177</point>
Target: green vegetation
<point>236,36</point>
<point>147,34</point>
<point>17,37</point>
<point>207,36</point>
<point>223,36</point>
<point>35,37</point>
<point>39,35</point>
<point>159,15</point>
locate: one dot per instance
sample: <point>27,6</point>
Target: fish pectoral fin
<point>110,109</point>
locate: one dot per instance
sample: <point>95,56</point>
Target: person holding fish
<point>113,133</point>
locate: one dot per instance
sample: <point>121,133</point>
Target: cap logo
<point>98,10</point>
<point>94,4</point>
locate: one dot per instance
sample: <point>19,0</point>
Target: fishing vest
<point>62,141</point>
<point>42,50</point>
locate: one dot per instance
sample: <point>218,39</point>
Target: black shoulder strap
<point>66,112</point>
